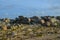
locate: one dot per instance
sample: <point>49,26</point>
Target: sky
<point>14,8</point>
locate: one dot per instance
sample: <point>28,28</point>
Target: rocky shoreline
<point>23,29</point>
